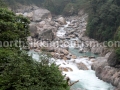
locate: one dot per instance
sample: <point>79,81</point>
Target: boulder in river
<point>47,35</point>
<point>61,20</point>
<point>33,30</point>
<point>41,14</point>
<point>112,59</point>
<point>73,57</point>
<point>82,66</point>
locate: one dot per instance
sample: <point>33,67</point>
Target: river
<point>87,78</point>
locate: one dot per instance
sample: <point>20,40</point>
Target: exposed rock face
<point>46,35</point>
<point>29,15</point>
<point>33,30</point>
<point>82,66</point>
<point>61,20</point>
<point>36,14</point>
<point>41,24</point>
<point>112,59</point>
<point>40,14</point>
<point>107,73</point>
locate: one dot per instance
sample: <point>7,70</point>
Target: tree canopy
<point>18,71</point>
<point>103,21</point>
<point>55,6</point>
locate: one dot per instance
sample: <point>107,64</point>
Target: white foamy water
<point>61,32</point>
<point>87,78</point>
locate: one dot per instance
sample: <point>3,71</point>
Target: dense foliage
<point>66,7</point>
<point>12,27</point>
<point>104,19</point>
<point>18,71</point>
<point>2,4</point>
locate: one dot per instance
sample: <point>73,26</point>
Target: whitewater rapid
<point>87,78</point>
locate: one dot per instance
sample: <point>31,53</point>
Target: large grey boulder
<point>33,30</point>
<point>61,20</point>
<point>47,35</point>
<point>100,62</point>
<point>112,59</point>
<point>82,66</point>
<point>40,14</point>
<point>28,15</point>
<point>105,72</point>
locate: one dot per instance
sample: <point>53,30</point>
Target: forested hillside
<point>104,19</point>
<point>66,7</point>
<point>104,22</point>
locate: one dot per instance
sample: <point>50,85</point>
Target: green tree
<point>103,21</point>
<point>18,71</point>
<point>21,72</point>
<point>2,4</point>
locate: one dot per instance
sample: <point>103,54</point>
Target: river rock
<point>64,51</point>
<point>100,62</point>
<point>112,60</point>
<point>65,69</point>
<point>73,57</point>
<point>64,58</point>
<point>52,23</point>
<point>47,35</point>
<point>82,66</point>
<point>33,30</point>
<point>105,72</point>
<point>68,57</point>
<point>50,49</point>
<point>28,15</point>
<point>61,20</point>
<point>41,14</point>
<point>41,24</point>
<point>107,55</point>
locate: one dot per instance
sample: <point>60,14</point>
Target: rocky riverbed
<point>57,34</point>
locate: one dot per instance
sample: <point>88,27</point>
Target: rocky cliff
<point>105,72</point>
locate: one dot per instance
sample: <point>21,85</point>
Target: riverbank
<point>106,73</point>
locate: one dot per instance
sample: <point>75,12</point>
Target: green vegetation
<point>104,19</point>
<point>66,7</point>
<point>2,4</point>
<point>18,71</point>
<point>12,26</point>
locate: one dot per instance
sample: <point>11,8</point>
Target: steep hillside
<point>104,19</point>
<point>66,7</point>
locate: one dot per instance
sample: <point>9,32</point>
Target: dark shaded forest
<point>66,7</point>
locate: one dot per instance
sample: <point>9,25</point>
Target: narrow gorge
<point>60,45</point>
<point>65,39</point>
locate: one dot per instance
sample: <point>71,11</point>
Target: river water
<point>87,78</point>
